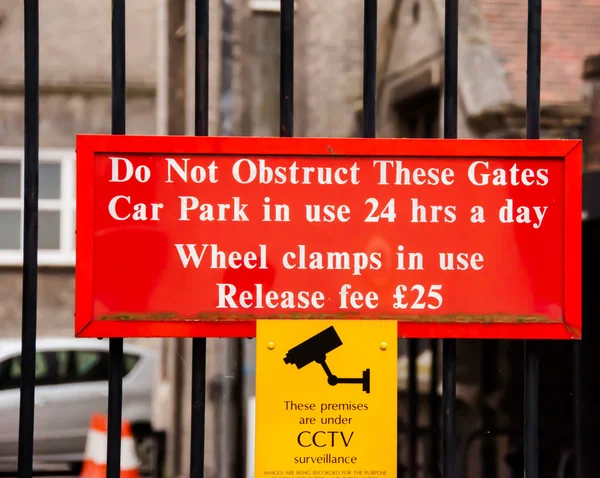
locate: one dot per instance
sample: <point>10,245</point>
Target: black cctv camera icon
<point>315,349</point>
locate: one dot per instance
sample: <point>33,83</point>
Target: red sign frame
<point>567,151</point>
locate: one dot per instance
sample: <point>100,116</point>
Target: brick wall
<point>569,33</point>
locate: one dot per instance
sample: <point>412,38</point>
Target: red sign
<point>200,236</point>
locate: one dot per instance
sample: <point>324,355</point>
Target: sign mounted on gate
<point>202,236</point>
<point>326,398</point>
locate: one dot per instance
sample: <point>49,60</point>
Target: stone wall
<point>55,303</point>
<point>75,42</point>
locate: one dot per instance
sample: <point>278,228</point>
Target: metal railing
<point>286,123</point>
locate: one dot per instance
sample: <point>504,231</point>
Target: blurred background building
<point>244,100</point>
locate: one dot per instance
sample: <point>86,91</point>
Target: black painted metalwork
<point>199,344</point>
<point>413,408</point>
<point>532,361</point>
<point>489,382</point>
<point>115,371</point>
<point>577,410</point>
<point>434,413</point>
<point>30,239</point>
<point>449,345</point>
<point>370,70</point>
<point>198,407</point>
<point>198,380</point>
<point>286,74</point>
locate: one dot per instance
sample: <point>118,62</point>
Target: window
<point>50,368</point>
<point>130,361</point>
<point>62,367</point>
<point>56,235</point>
<point>92,365</point>
<point>267,5</point>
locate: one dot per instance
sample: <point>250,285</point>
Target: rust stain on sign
<point>453,318</point>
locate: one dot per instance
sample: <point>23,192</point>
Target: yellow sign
<point>326,398</point>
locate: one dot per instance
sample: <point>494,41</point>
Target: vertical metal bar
<point>370,69</point>
<point>240,406</point>
<point>534,54</point>
<point>175,444</point>
<point>531,356</point>
<point>488,380</point>
<point>115,403</point>
<point>413,397</point>
<point>199,344</point>
<point>451,70</point>
<point>118,66</point>
<point>198,407</point>
<point>286,73</point>
<point>30,239</point>
<point>434,413</point>
<point>201,69</point>
<point>450,131</point>
<point>115,370</point>
<point>577,409</point>
<point>449,408</point>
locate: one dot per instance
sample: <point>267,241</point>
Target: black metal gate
<point>449,450</point>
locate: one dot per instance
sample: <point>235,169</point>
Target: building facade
<point>75,97</point>
<point>492,97</point>
<point>75,58</point>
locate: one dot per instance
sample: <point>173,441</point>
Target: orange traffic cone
<point>94,460</point>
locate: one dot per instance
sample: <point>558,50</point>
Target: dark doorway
<point>419,115</point>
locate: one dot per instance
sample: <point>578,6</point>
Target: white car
<point>71,385</point>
